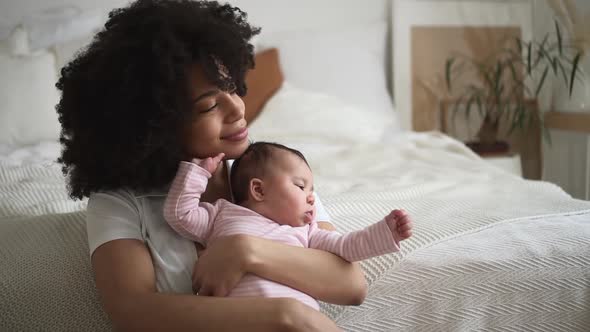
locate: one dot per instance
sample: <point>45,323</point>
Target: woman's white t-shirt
<point>127,214</point>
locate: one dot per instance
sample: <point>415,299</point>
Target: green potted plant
<point>508,83</point>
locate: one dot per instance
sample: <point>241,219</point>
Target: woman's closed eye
<point>209,109</point>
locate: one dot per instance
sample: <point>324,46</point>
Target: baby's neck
<point>248,204</point>
<point>254,206</point>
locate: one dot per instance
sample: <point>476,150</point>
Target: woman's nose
<point>235,108</point>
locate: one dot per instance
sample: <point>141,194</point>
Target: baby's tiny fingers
<point>405,227</point>
<point>404,221</point>
<point>219,157</point>
<point>398,213</point>
<point>406,234</point>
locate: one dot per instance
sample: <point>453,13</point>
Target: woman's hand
<point>221,266</point>
<point>224,263</point>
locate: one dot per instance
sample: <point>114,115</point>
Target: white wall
<point>13,11</point>
<point>565,160</point>
<point>568,147</point>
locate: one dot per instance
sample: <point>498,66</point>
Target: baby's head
<point>275,181</point>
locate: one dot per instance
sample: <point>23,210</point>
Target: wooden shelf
<point>571,121</point>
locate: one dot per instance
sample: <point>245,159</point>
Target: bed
<point>490,252</point>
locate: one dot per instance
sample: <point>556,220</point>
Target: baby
<point>272,187</point>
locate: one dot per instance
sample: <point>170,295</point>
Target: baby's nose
<point>311,199</point>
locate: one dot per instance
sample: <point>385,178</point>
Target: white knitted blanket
<point>451,193</point>
<point>454,195</point>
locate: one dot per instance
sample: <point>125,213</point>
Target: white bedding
<point>491,251</point>
<point>31,182</point>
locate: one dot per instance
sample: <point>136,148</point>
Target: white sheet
<point>527,275</point>
<point>31,182</point>
<point>491,251</point>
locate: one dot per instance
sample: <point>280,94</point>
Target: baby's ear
<point>256,189</point>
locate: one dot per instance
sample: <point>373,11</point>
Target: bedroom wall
<point>565,160</point>
<point>572,175</point>
<point>300,16</point>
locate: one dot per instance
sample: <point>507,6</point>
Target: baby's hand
<point>400,224</point>
<point>209,164</point>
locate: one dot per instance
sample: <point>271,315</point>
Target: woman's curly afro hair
<point>126,96</point>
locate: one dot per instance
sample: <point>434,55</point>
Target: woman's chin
<point>235,150</point>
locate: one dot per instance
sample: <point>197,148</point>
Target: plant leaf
<point>529,55</point>
<point>514,123</point>
<point>564,74</point>
<point>559,40</point>
<point>479,105</point>
<point>512,70</point>
<point>542,81</point>
<point>574,71</point>
<point>448,66</point>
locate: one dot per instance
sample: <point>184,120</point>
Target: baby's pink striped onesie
<point>204,223</point>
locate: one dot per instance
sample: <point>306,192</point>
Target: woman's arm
<point>335,280</point>
<point>125,279</point>
<point>320,274</point>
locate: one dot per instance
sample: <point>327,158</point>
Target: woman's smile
<point>237,136</point>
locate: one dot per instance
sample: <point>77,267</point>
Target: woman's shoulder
<point>128,195</point>
<point>124,201</point>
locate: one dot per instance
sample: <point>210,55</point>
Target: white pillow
<point>295,115</point>
<point>27,99</point>
<point>348,62</point>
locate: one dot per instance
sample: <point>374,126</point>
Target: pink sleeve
<point>182,209</point>
<point>371,241</point>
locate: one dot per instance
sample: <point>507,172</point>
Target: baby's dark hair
<point>254,163</point>
<point>126,100</point>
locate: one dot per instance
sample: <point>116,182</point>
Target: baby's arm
<point>182,210</point>
<point>377,239</point>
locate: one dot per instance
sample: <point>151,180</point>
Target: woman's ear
<point>256,189</point>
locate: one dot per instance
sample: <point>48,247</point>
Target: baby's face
<point>289,191</point>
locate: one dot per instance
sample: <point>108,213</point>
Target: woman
<point>160,84</point>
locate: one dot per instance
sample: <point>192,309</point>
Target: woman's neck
<point>218,185</point>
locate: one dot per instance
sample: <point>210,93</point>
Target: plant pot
<point>486,149</point>
<point>488,143</point>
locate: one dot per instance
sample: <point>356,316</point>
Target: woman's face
<point>217,123</point>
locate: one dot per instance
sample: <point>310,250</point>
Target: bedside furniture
<point>524,157</point>
<point>569,173</point>
<point>509,162</point>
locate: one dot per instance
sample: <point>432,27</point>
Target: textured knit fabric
<point>205,222</point>
<point>490,251</point>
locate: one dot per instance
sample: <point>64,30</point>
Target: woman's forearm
<point>172,312</point>
<point>126,283</point>
<point>320,274</point>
